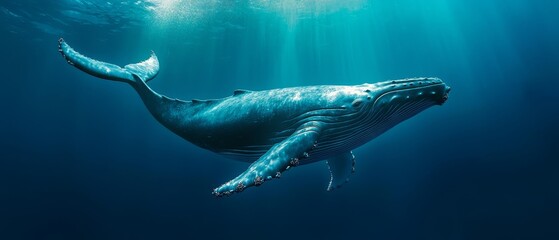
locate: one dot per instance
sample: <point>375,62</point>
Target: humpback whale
<point>279,129</point>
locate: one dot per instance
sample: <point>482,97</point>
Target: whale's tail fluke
<point>145,70</point>
<point>135,74</point>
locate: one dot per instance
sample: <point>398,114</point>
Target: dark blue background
<point>81,158</point>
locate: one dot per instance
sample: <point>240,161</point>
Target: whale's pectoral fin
<point>145,70</point>
<point>279,158</point>
<point>341,167</point>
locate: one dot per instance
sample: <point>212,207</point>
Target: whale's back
<point>246,125</point>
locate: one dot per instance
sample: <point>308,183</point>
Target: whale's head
<point>432,91</point>
<point>388,103</point>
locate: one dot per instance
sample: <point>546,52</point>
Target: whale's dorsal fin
<point>240,91</point>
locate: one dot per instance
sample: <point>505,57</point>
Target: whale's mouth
<point>445,95</point>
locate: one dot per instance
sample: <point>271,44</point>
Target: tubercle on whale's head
<point>432,90</point>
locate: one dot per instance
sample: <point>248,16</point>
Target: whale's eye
<point>356,103</point>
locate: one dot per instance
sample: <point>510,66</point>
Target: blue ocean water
<point>81,158</point>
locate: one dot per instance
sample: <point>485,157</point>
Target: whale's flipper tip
<point>63,48</point>
<point>281,157</point>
